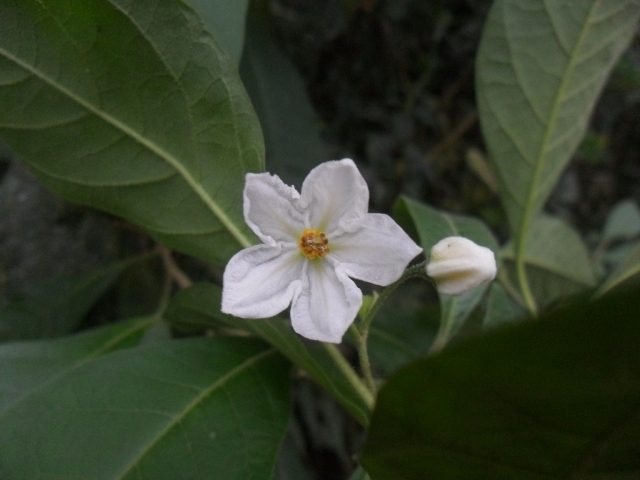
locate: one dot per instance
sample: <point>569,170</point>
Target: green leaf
<point>359,474</point>
<point>541,66</point>
<point>556,259</point>
<point>622,222</point>
<point>501,309</point>
<point>57,305</point>
<point>618,254</point>
<point>199,307</point>
<point>131,107</point>
<point>554,398</point>
<point>289,123</point>
<point>402,332</point>
<point>28,367</point>
<point>225,20</point>
<point>432,226</point>
<point>188,409</point>
<point>627,272</point>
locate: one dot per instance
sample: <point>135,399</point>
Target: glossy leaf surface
<point>554,398</point>
<point>27,367</point>
<point>189,409</point>
<point>113,112</point>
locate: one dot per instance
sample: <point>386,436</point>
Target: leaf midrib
<point>104,347</point>
<point>220,382</point>
<point>550,267</point>
<point>144,142</point>
<point>540,161</point>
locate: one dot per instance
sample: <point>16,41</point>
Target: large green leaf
<point>541,66</point>
<point>554,398</point>
<point>189,409</point>
<point>225,19</point>
<point>28,367</point>
<point>278,93</point>
<point>199,307</point>
<point>556,259</point>
<point>131,107</point>
<point>57,305</point>
<point>432,226</point>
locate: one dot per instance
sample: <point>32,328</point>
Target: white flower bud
<point>457,265</point>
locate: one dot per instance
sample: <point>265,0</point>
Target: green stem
<point>511,289</point>
<point>523,280</point>
<point>442,338</point>
<point>365,363</point>
<point>416,271</point>
<point>165,296</point>
<point>350,375</point>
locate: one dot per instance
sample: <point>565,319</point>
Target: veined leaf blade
<point>27,367</point>
<point>193,408</point>
<point>541,67</point>
<point>133,108</point>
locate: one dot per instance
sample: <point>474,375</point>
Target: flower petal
<point>336,195</point>
<point>457,265</point>
<point>261,281</point>
<point>271,209</point>
<point>327,304</point>
<point>378,252</point>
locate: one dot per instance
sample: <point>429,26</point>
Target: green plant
<point>134,108</point>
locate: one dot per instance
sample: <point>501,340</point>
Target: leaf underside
<point>541,66</point>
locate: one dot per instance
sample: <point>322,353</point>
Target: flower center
<point>313,243</point>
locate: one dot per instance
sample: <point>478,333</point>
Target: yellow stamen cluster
<point>313,243</point>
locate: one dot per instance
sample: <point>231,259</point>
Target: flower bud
<point>457,265</point>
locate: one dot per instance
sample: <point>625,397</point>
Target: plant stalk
<point>416,271</point>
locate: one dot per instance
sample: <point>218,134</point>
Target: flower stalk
<point>362,335</point>
<point>351,376</point>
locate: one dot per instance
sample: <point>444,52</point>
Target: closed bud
<point>457,265</point>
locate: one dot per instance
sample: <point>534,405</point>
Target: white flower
<point>457,265</point>
<point>313,242</point>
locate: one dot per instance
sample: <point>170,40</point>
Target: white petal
<point>335,195</point>
<point>271,208</point>
<point>260,281</point>
<point>327,304</point>
<point>378,252</point>
<point>458,265</point>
